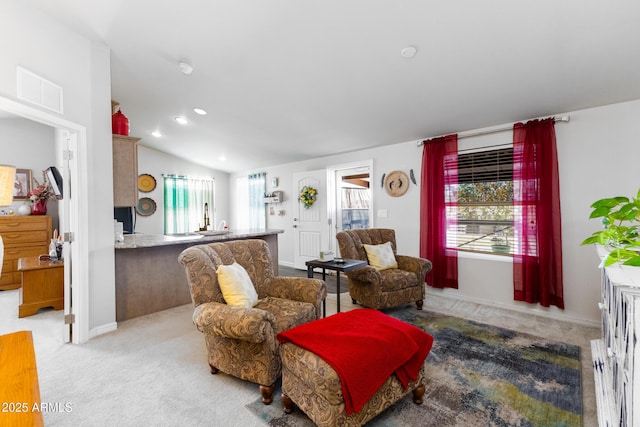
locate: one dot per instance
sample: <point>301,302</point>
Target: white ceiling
<point>286,80</point>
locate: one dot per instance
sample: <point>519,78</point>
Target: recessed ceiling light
<point>200,111</point>
<point>185,67</point>
<point>222,158</point>
<point>408,52</point>
<point>182,120</point>
<point>156,133</point>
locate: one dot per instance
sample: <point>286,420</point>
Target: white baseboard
<point>538,311</point>
<point>109,327</point>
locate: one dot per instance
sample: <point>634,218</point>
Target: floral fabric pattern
<point>387,288</point>
<point>315,388</point>
<point>241,341</point>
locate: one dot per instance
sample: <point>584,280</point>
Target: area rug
<point>477,375</point>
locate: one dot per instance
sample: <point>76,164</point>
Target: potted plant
<point>620,219</point>
<point>500,243</point>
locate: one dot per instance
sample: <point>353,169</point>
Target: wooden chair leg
<point>267,393</point>
<point>288,404</point>
<point>419,304</point>
<point>214,370</point>
<point>418,394</point>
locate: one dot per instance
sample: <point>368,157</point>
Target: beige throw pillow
<point>236,286</point>
<point>381,256</point>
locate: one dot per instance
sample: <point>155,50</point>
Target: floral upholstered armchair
<point>241,339</point>
<point>390,279</point>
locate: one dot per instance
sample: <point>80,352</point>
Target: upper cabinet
<point>125,170</point>
<point>125,162</point>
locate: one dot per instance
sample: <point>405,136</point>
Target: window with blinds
<point>483,202</point>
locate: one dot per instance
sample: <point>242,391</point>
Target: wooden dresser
<point>22,236</point>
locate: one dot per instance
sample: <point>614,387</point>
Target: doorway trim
<point>79,209</point>
<point>332,191</point>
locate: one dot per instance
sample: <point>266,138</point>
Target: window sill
<point>485,257</point>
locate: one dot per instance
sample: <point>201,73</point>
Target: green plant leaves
<point>635,261</point>
<point>620,220</point>
<point>610,202</point>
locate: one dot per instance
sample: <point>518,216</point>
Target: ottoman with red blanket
<point>345,369</point>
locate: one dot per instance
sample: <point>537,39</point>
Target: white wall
<point>157,163</point>
<point>34,41</point>
<point>598,155</point>
<point>598,151</point>
<point>37,143</point>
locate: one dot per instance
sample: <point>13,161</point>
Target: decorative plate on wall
<point>146,183</point>
<point>396,183</point>
<point>146,206</point>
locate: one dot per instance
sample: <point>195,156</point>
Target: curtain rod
<point>172,175</point>
<point>487,131</point>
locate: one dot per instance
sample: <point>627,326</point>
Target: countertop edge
<point>134,241</point>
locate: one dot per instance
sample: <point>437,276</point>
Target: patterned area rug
<point>477,375</point>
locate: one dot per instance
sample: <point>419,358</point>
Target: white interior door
<point>66,142</point>
<point>310,225</point>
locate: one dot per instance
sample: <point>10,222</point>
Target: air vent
<point>39,91</point>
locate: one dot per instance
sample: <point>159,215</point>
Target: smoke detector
<point>185,67</point>
<point>408,52</point>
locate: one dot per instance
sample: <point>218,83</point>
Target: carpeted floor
<point>479,375</point>
<point>330,278</point>
<point>153,370</point>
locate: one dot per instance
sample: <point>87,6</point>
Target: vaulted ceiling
<point>286,80</point>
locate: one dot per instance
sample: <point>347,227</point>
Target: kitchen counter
<point>149,277</point>
<point>132,241</point>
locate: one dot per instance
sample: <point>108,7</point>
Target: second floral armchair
<point>390,286</point>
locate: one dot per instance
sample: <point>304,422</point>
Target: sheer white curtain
<point>184,200</point>
<point>355,198</point>
<point>257,210</point>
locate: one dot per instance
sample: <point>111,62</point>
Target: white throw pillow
<point>236,286</point>
<point>381,256</point>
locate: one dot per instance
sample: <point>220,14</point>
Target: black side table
<point>344,266</point>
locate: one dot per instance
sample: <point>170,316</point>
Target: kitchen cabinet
<point>150,279</point>
<point>125,171</point>
<point>22,236</point>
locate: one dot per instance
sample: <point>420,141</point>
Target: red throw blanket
<point>364,347</point>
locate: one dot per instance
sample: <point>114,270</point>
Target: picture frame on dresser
<point>22,184</point>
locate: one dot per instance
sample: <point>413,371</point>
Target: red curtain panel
<point>438,211</point>
<point>537,263</point>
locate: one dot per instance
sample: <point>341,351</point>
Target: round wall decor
<point>396,183</point>
<point>146,183</point>
<point>146,206</point>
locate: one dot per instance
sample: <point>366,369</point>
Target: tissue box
<point>326,256</point>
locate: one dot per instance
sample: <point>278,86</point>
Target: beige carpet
<point>153,369</point>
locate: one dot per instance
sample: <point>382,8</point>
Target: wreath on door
<point>308,196</point>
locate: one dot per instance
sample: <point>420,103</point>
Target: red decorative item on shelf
<point>39,207</point>
<point>120,124</point>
